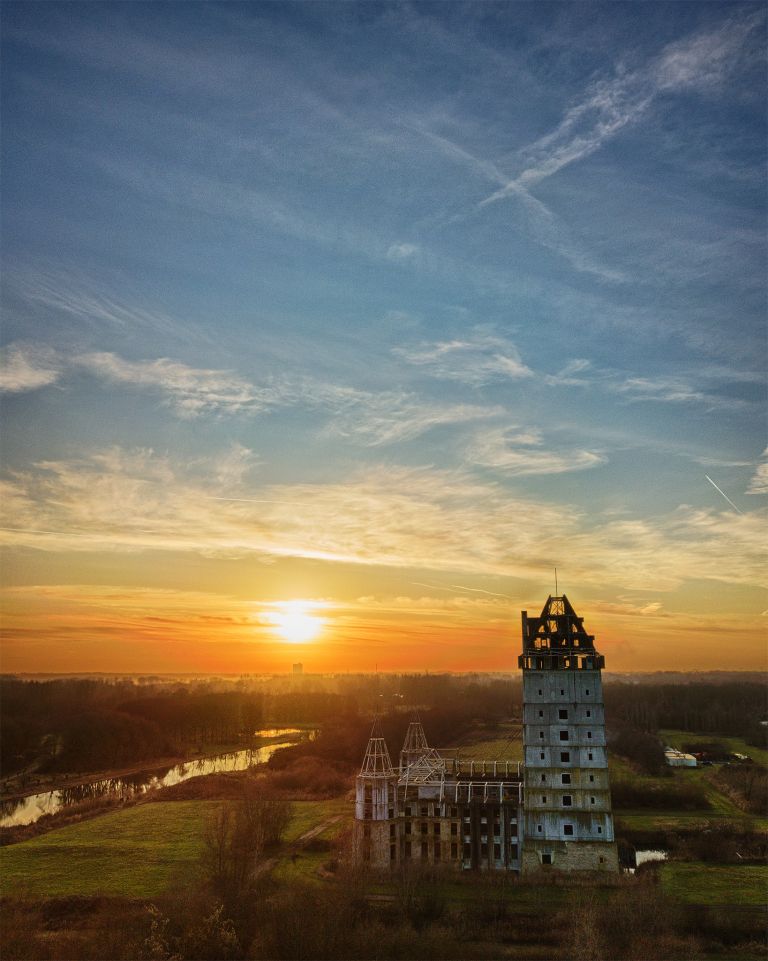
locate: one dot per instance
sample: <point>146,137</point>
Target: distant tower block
<point>375,803</point>
<point>298,670</point>
<point>568,822</point>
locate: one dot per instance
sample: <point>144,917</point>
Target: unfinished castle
<point>554,809</point>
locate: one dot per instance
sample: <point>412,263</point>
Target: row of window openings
<point>562,692</point>
<point>563,714</point>
<point>409,812</point>
<point>566,778</point>
<point>565,758</point>
<point>567,829</point>
<point>426,811</point>
<point>424,829</point>
<point>564,735</point>
<point>467,851</point>
<point>567,800</point>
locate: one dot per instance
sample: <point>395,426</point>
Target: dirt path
<point>295,846</point>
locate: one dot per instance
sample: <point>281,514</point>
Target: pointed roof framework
<point>557,638</point>
<point>419,763</point>
<point>415,743</point>
<point>377,762</point>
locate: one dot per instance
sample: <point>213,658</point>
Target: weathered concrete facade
<point>435,810</point>
<point>568,820</point>
<point>488,815</point>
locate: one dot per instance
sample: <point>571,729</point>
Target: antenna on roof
<point>556,594</point>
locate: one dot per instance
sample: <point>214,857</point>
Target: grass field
<point>303,864</point>
<point>308,814</point>
<point>136,852</point>
<point>504,748</point>
<point>721,806</point>
<point>699,883</point>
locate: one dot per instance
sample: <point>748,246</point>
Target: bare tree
<point>237,836</point>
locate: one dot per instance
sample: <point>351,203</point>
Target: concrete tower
<point>376,803</point>
<point>568,821</point>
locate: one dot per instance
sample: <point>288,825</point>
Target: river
<point>27,810</point>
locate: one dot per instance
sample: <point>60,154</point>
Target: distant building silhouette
<point>298,670</point>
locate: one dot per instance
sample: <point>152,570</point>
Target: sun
<point>295,623</point>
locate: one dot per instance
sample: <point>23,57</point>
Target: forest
<point>85,724</point>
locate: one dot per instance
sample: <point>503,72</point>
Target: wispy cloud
<point>25,367</point>
<point>426,519</point>
<point>697,62</point>
<point>672,390</point>
<point>542,224</point>
<point>568,376</point>
<point>403,251</point>
<point>475,360</point>
<point>370,417</point>
<point>388,417</point>
<point>189,391</point>
<point>759,482</point>
<point>74,294</point>
<point>137,500</point>
<point>516,452</point>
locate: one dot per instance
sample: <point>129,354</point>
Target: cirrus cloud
<point>412,518</point>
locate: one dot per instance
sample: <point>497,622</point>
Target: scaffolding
<point>377,762</point>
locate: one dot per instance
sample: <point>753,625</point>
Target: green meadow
<point>135,852</point>
<point>699,883</point>
<point>139,851</point>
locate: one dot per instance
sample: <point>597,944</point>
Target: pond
<point>27,810</point>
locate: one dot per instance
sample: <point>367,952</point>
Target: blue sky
<point>383,306</point>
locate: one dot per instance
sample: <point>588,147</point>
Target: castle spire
<point>377,762</point>
<point>415,743</point>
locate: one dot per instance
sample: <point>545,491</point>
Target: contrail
<point>31,530</point>
<point>477,590</point>
<point>435,587</point>
<point>724,494</point>
<point>458,587</point>
<point>247,500</point>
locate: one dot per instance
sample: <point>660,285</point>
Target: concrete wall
<point>568,856</point>
<point>567,792</point>
<point>426,831</point>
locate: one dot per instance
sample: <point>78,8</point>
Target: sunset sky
<point>388,309</point>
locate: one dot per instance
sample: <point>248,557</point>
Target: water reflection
<point>27,810</point>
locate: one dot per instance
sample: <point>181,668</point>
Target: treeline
<point>658,796</point>
<point>733,708</point>
<point>747,785</point>
<point>341,741</point>
<point>78,725</point>
<point>644,749</point>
